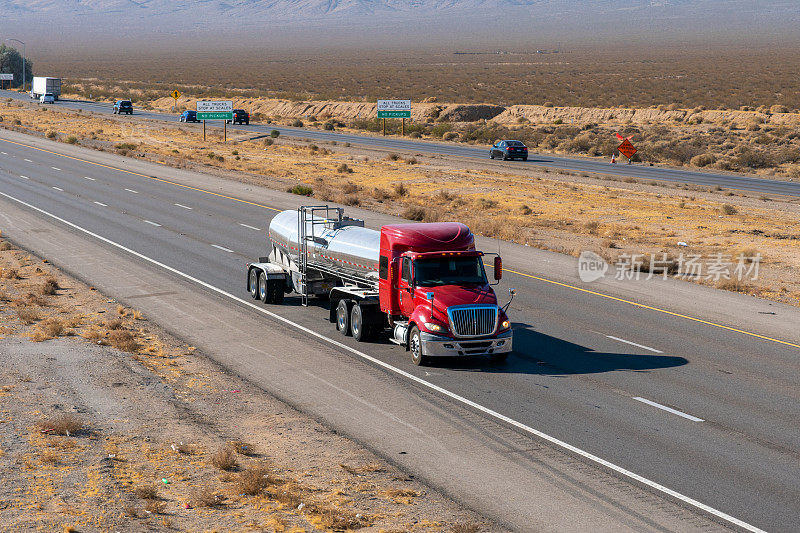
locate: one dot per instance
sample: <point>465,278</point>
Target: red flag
<point>620,137</point>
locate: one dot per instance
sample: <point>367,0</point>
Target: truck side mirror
<point>498,268</point>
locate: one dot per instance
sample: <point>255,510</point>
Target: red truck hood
<point>447,295</point>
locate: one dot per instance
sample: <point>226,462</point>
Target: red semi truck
<point>425,282</point>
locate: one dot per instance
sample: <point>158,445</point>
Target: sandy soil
<point>109,424</point>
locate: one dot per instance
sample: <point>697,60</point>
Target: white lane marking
<point>152,223</point>
<point>28,160</point>
<point>101,203</point>
<point>494,414</point>
<point>131,190</point>
<point>222,248</point>
<point>88,178</point>
<point>24,177</point>
<point>184,206</point>
<point>3,153</point>
<point>668,409</point>
<point>56,168</point>
<point>634,344</point>
<point>58,189</point>
<point>251,227</point>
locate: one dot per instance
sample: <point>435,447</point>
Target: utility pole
<point>23,61</point>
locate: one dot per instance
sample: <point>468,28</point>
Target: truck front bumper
<point>438,346</point>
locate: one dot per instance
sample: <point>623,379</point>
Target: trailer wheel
<point>264,294</point>
<point>252,283</point>
<point>415,347</point>
<point>360,331</point>
<point>343,317</point>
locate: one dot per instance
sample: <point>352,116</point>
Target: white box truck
<point>44,85</point>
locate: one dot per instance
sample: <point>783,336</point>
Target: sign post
<point>394,109</point>
<point>215,110</point>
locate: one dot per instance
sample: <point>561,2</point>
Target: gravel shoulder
<point>109,423</point>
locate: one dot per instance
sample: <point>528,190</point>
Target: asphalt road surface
<point>708,412</point>
<point>458,151</point>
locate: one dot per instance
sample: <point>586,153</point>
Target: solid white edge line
<point>251,227</point>
<point>131,190</point>
<point>59,189</point>
<point>668,409</point>
<point>88,178</point>
<point>28,160</point>
<point>24,177</point>
<point>634,344</point>
<point>222,248</point>
<point>56,168</point>
<point>153,223</point>
<point>494,414</point>
<point>101,203</point>
<point>184,206</point>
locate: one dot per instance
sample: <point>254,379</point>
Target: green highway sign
<point>394,114</point>
<point>215,115</point>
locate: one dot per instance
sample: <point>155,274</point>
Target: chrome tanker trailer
<point>424,282</point>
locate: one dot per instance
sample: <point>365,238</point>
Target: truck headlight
<point>435,328</point>
<point>505,324</point>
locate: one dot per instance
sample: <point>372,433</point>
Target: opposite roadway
<point>709,412</point>
<point>459,151</point>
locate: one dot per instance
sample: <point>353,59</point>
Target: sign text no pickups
<point>394,108</point>
<point>214,110</point>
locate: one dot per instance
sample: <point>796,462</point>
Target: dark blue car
<point>189,116</point>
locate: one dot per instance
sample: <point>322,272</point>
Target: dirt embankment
<point>506,115</point>
<point>111,425</point>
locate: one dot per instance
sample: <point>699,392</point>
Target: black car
<point>509,150</point>
<point>123,106</point>
<point>189,116</point>
<point>240,116</point>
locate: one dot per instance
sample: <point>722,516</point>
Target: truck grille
<point>473,320</point>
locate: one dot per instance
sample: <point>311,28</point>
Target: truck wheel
<point>415,347</point>
<point>343,317</point>
<point>360,331</point>
<point>264,294</point>
<point>252,283</point>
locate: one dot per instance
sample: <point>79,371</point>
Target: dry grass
<point>65,424</point>
<point>28,315</point>
<point>122,340</point>
<point>465,528</point>
<point>9,273</point>
<point>155,506</point>
<point>146,492</point>
<point>48,328</point>
<point>206,497</point>
<point>50,287</point>
<point>400,493</point>
<point>242,448</point>
<point>254,480</point>
<point>338,519</point>
<point>225,459</point>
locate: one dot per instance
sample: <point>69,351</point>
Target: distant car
<point>123,106</point>
<point>189,116</point>
<point>509,150</point>
<point>47,99</point>
<point>240,116</point>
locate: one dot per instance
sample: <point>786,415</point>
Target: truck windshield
<point>449,271</point>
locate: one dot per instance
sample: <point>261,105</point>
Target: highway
<point>708,412</point>
<point>470,152</point>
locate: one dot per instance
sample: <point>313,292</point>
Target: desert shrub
<point>329,126</point>
<point>274,134</point>
<point>350,188</point>
<point>27,315</point>
<point>450,136</point>
<point>64,424</point>
<point>728,209</point>
<point>344,169</point>
<point>703,160</point>
<point>440,129</point>
<point>297,123</point>
<point>268,142</point>
<point>414,213</point>
<point>71,139</point>
<point>206,498</point>
<point>254,480</point>
<point>301,190</point>
<point>50,287</point>
<point>411,160</point>
<point>778,108</point>
<point>415,135</point>
<point>392,157</point>
<point>225,458</point>
<point>48,329</point>
<point>122,339</point>
<point>400,189</point>
<point>9,273</point>
<point>146,492</point>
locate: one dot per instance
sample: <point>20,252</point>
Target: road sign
<point>175,94</point>
<point>627,149</point>
<point>214,110</point>
<point>6,77</point>
<point>394,114</point>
